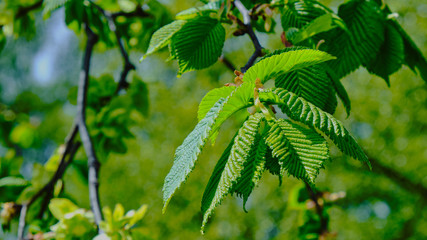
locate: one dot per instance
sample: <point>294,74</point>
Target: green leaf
<point>233,169</point>
<point>186,154</point>
<point>211,98</point>
<point>11,181</point>
<point>363,40</point>
<point>253,169</point>
<point>272,164</point>
<point>297,14</point>
<point>305,112</point>
<point>211,7</point>
<point>340,90</point>
<point>313,84</point>
<point>198,44</point>
<point>281,62</point>
<point>59,207</point>
<point>414,58</point>
<point>136,216</point>
<point>300,151</point>
<point>269,67</point>
<point>161,38</point>
<point>391,55</point>
<point>321,24</point>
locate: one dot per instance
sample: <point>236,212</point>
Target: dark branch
<point>249,30</point>
<point>127,65</point>
<point>22,11</point>
<point>70,150</point>
<point>93,163</point>
<point>227,63</point>
<point>397,177</point>
<point>319,209</point>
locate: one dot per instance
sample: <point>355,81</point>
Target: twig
<point>247,21</point>
<point>319,209</point>
<point>397,177</point>
<point>70,149</point>
<point>227,63</point>
<point>127,65</point>
<point>93,163</point>
<point>22,11</point>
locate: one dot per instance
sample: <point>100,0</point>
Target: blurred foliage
<point>390,123</point>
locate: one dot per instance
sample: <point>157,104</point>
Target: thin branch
<point>127,65</point>
<point>319,209</point>
<point>70,149</point>
<point>22,11</point>
<point>93,163</point>
<point>397,177</point>
<point>249,30</point>
<point>227,63</point>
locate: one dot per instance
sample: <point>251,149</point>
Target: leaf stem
<point>319,209</point>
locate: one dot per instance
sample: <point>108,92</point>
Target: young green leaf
<point>161,38</point>
<point>211,98</point>
<point>300,151</point>
<point>233,169</point>
<point>305,112</point>
<point>208,8</point>
<point>298,13</point>
<point>186,154</point>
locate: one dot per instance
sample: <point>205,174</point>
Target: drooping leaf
<point>391,54</point>
<point>305,112</point>
<point>233,169</point>
<point>272,164</point>
<point>211,98</point>
<point>363,40</point>
<point>300,151</point>
<point>414,58</point>
<point>204,10</point>
<point>198,44</point>
<point>161,38</point>
<point>340,90</point>
<point>253,169</point>
<point>186,154</point>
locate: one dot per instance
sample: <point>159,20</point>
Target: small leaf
<point>320,24</point>
<point>211,7</point>
<point>59,207</point>
<point>11,181</point>
<point>186,154</point>
<point>161,38</point>
<point>198,44</point>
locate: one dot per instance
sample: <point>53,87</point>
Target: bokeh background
<point>390,123</point>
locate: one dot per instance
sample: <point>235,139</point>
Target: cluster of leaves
<point>110,117</point>
<point>78,223</point>
<point>306,84</point>
<point>363,33</point>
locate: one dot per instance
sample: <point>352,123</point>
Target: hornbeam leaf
<point>211,98</point>
<point>161,38</point>
<point>301,151</point>
<point>186,154</point>
<point>233,168</point>
<point>265,69</point>
<point>391,55</point>
<point>361,43</point>
<point>297,14</point>
<point>198,44</point>
<point>253,169</point>
<point>305,112</point>
<point>276,64</point>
